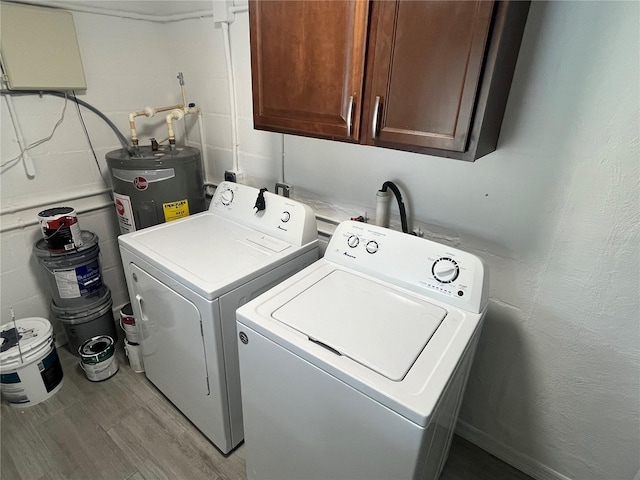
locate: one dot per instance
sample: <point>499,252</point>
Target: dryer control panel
<point>426,267</point>
<point>274,215</point>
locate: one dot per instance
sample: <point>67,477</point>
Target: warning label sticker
<point>125,213</point>
<point>175,210</point>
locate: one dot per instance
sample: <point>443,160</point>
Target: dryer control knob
<point>353,241</point>
<point>445,270</point>
<point>227,197</point>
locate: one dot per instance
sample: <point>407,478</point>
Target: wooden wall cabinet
<point>430,77</point>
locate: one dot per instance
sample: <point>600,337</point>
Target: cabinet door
<point>307,61</point>
<point>426,71</point>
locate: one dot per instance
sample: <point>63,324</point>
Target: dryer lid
<point>376,325</point>
<point>208,253</point>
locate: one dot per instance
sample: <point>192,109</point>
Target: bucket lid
<point>80,314</point>
<point>96,349</point>
<point>56,211</point>
<point>89,241</point>
<point>30,332</point>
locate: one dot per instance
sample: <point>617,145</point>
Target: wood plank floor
<point>124,429</point>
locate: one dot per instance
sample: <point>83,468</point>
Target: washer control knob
<point>445,270</point>
<point>353,241</point>
<point>372,246</point>
<point>285,217</point>
<point>227,197</point>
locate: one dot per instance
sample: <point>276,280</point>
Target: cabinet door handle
<point>350,116</point>
<point>374,121</point>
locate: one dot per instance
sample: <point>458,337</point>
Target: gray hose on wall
<point>121,137</point>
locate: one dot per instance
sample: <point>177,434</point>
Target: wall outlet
<point>236,176</point>
<point>284,189</point>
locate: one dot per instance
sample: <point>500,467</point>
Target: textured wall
<point>554,212</point>
<point>127,66</point>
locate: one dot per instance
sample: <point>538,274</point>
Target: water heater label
<point>125,213</point>
<point>175,210</point>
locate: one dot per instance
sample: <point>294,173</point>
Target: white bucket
<point>128,324</point>
<point>30,370</point>
<point>134,354</point>
<point>98,359</point>
<point>60,229</point>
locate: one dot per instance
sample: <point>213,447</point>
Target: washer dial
<point>353,241</point>
<point>445,270</point>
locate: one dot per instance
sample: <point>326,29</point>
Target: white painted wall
<point>127,66</point>
<point>554,212</point>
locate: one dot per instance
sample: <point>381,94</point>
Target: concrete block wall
<point>128,65</point>
<point>554,211</point>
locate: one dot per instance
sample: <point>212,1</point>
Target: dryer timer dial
<point>227,197</point>
<point>445,270</point>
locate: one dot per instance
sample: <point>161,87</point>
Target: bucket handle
<point>49,237</point>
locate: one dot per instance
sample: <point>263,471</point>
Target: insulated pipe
<point>282,180</point>
<point>382,208</point>
<point>132,126</point>
<point>148,112</point>
<point>203,149</point>
<point>177,114</point>
<point>232,97</point>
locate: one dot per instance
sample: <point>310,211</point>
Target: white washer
<point>355,367</point>
<point>187,278</point>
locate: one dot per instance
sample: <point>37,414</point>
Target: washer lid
<point>378,326</point>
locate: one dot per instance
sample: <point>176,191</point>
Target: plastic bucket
<point>82,324</point>
<point>30,370</point>
<point>134,354</point>
<point>98,358</point>
<point>74,277</point>
<point>128,324</point>
<point>60,229</point>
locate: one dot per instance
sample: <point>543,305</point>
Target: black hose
<point>403,212</point>
<point>121,137</point>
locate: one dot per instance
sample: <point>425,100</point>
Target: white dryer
<point>187,278</point>
<point>355,367</point>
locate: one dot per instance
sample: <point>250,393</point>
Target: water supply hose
<point>121,137</point>
<point>398,195</point>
